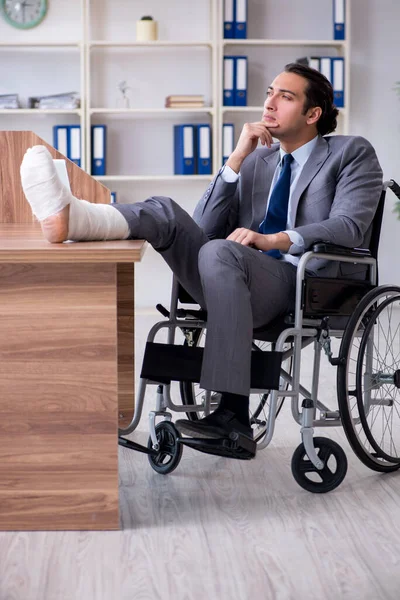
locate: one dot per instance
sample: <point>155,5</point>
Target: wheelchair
<point>359,317</point>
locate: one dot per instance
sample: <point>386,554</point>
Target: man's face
<point>284,106</point>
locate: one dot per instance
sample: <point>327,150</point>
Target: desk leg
<point>58,397</point>
<point>126,341</point>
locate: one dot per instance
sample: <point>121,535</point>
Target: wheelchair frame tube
<point>300,276</point>
<point>298,332</point>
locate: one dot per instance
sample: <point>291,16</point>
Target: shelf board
<point>153,44</point>
<point>150,111</point>
<point>40,44</point>
<point>40,111</point>
<point>239,109</point>
<point>262,42</point>
<point>106,178</point>
<point>242,108</point>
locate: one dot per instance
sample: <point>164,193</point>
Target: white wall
<point>375,109</point>
<point>375,114</point>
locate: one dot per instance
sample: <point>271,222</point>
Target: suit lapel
<point>263,174</point>
<point>314,163</point>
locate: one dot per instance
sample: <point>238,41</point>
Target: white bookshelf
<point>290,43</point>
<point>103,44</point>
<point>152,178</point>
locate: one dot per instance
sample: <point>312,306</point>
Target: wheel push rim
<point>378,381</point>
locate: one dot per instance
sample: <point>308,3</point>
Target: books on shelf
<point>67,101</point>
<point>67,140</point>
<point>192,149</point>
<point>235,19</point>
<point>235,81</point>
<point>184,101</point>
<point>333,69</point>
<point>9,101</point>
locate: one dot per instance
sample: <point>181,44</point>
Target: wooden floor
<point>222,530</point>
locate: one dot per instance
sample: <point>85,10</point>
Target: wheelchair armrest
<point>328,248</point>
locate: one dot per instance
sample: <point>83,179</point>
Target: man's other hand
<point>272,241</point>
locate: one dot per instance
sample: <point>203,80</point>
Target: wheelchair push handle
<point>395,187</point>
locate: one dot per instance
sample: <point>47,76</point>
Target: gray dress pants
<point>240,287</point>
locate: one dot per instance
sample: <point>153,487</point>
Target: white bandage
<point>43,189</point>
<point>88,221</point>
<point>47,196</point>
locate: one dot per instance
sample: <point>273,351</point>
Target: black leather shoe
<point>215,426</point>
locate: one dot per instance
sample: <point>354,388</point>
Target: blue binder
<point>339,19</point>
<point>241,19</point>
<point>184,162</point>
<point>113,199</point>
<point>204,150</point>
<point>74,144</point>
<point>60,139</point>
<point>229,19</point>
<point>229,81</point>
<point>325,67</point>
<point>338,81</point>
<point>99,144</point>
<point>227,141</point>
<point>240,80</point>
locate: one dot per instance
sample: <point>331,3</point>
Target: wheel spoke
<point>326,474</point>
<point>324,453</point>
<point>306,466</point>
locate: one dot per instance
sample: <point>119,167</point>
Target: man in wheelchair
<point>237,256</point>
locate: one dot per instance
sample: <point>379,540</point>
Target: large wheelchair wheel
<point>193,394</point>
<point>368,379</point>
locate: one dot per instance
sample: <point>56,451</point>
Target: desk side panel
<point>14,207</point>
<point>58,397</point>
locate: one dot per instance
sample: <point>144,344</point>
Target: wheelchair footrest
<point>135,446</point>
<point>235,446</point>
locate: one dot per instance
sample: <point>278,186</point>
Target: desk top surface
<point>22,242</point>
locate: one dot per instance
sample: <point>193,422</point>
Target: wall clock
<point>24,14</point>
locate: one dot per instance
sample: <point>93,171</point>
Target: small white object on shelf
<point>146,30</point>
<point>123,101</point>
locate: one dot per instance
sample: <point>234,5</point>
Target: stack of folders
<point>339,19</point>
<point>235,19</point>
<point>192,150</point>
<point>228,131</point>
<point>333,69</point>
<point>235,80</point>
<point>67,140</point>
<point>184,101</point>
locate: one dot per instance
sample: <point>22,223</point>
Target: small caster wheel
<point>170,452</point>
<point>330,476</point>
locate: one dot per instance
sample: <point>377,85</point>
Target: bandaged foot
<point>61,215</point>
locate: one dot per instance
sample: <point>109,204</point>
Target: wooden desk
<point>66,361</point>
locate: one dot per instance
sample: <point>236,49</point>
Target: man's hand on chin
<point>260,241</point>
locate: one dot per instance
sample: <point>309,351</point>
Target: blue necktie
<point>276,216</point>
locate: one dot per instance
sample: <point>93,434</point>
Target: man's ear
<point>314,114</point>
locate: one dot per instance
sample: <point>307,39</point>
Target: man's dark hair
<point>319,92</point>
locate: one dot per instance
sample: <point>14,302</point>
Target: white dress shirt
<point>300,157</point>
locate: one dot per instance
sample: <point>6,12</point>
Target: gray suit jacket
<point>335,198</point>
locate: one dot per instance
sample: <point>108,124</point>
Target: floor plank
<point>222,530</point>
